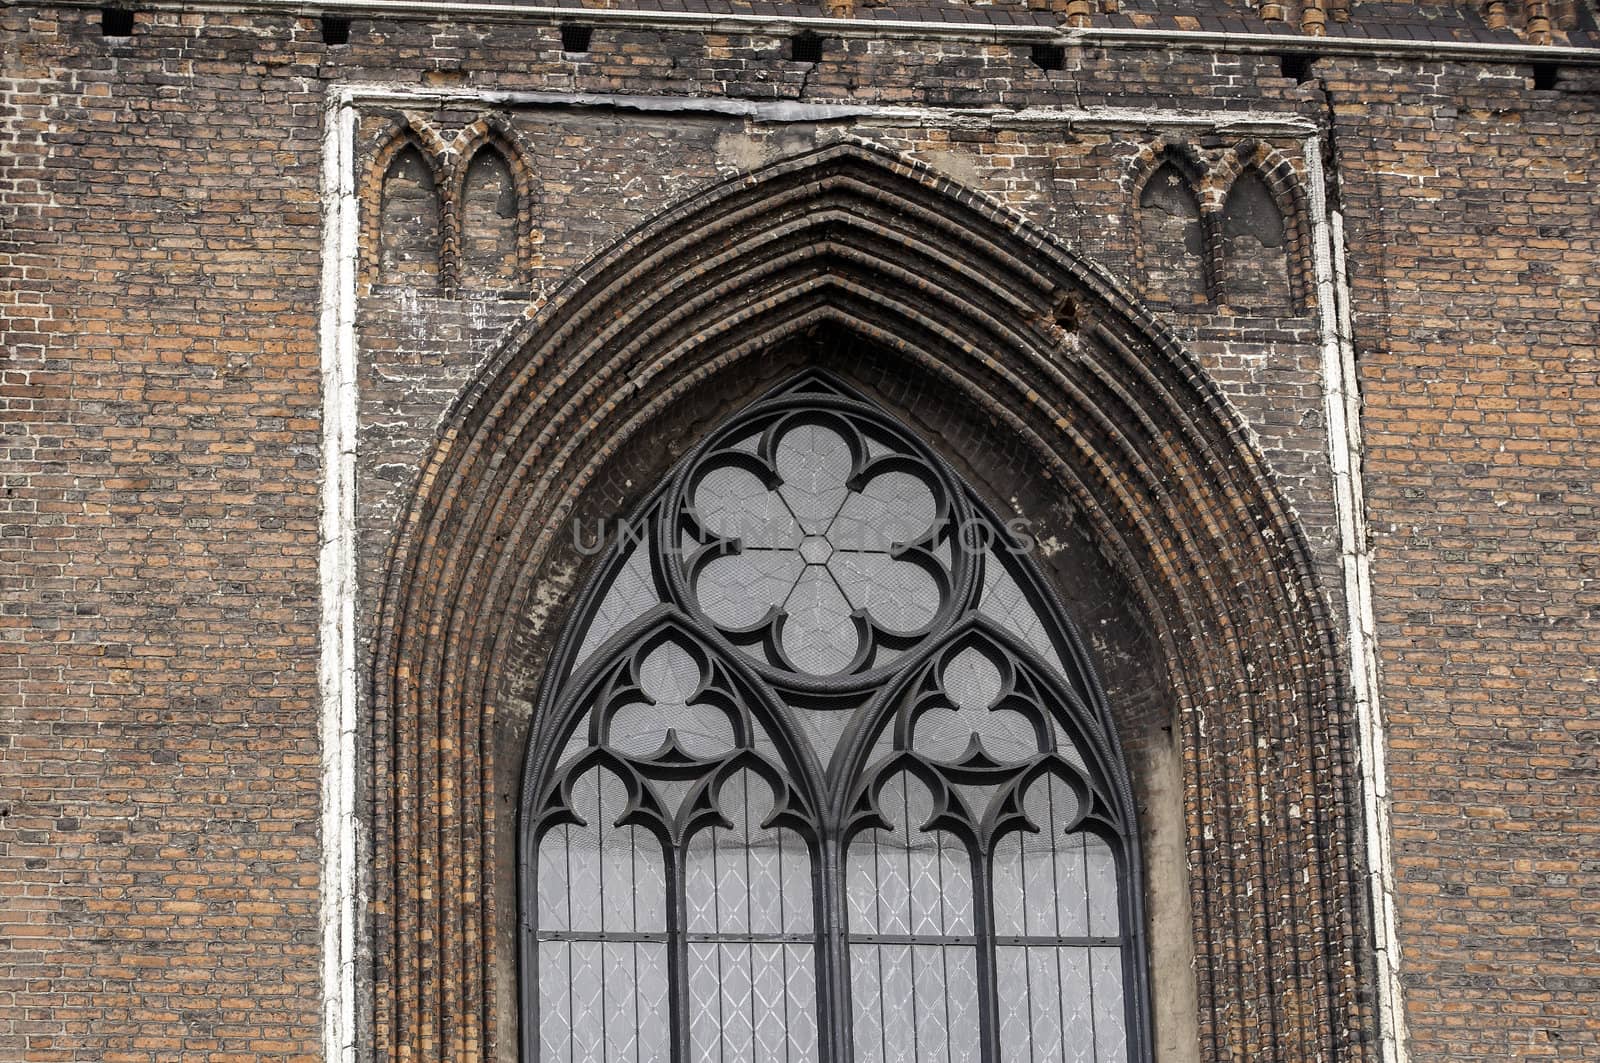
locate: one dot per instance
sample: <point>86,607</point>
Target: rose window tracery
<point>820,542</point>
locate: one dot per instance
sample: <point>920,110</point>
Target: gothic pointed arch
<point>804,604</point>
<point>1174,254</point>
<point>1260,229</point>
<point>954,294</point>
<point>490,192</point>
<point>402,239</point>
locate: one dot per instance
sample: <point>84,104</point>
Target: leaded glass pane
<point>1110,1026</point>
<point>555,1000</point>
<point>813,462</point>
<point>669,677</point>
<point>1100,866</point>
<point>898,595</point>
<point>632,593</point>
<point>1046,1011</point>
<point>910,909</point>
<point>750,914</point>
<point>891,508</point>
<point>1057,1001</point>
<point>819,637</point>
<point>732,502</point>
<point>1004,601</point>
<point>1040,878</point>
<point>601,1000</point>
<point>737,590</point>
<point>971,683</point>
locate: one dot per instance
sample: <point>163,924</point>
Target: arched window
<point>821,772</point>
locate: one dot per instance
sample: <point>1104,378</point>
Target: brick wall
<point>160,229</point>
<point>1472,219</point>
<point>160,418</point>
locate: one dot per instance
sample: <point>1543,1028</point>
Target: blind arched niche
<point>821,771</point>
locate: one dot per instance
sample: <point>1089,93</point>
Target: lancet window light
<point>822,772</point>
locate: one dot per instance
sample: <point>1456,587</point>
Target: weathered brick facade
<point>307,342</point>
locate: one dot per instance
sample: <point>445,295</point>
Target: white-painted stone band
<point>1341,399</point>
<point>341,843</point>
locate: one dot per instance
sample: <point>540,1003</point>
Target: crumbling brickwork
<point>164,241</point>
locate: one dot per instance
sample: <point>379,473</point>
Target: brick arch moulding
<point>971,296</point>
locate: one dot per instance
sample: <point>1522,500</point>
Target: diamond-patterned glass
<point>914,887</point>
<point>734,504</point>
<point>753,997</point>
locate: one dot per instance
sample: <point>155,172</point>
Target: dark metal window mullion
<point>833,984</point>
<point>677,953</point>
<point>988,990</point>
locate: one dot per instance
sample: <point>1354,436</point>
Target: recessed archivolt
<point>962,291</point>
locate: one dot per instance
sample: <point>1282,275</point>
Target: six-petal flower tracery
<point>819,541</point>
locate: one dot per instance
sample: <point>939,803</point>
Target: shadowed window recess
<point>1172,237</point>
<point>489,222</point>
<point>1255,247</point>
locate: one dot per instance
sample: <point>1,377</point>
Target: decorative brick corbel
<point>1314,18</point>
<point>1539,22</point>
